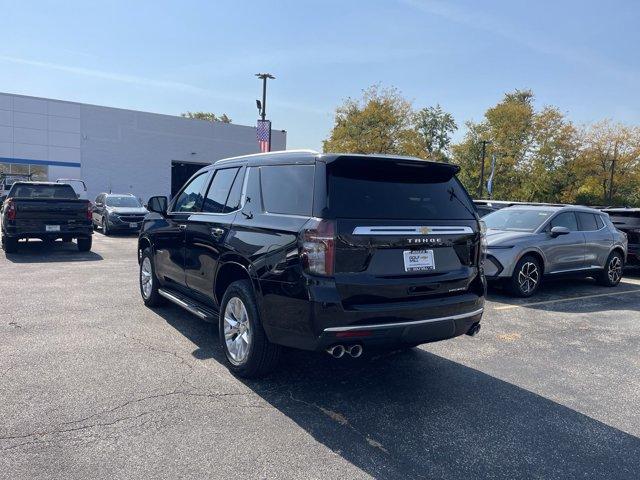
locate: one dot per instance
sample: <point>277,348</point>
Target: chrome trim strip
<point>411,230</point>
<point>403,324</point>
<point>182,303</point>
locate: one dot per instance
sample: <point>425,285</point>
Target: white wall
<point>118,150</point>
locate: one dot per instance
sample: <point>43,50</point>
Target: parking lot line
<point>568,299</point>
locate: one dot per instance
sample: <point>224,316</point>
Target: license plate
<point>133,225</point>
<point>52,228</point>
<point>418,260</point>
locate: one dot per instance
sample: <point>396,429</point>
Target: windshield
<point>122,201</point>
<point>370,188</point>
<point>516,220</point>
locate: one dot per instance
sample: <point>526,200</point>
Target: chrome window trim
<point>411,230</point>
<point>403,324</point>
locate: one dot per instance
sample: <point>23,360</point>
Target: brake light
<point>89,211</point>
<point>483,241</point>
<point>11,209</point>
<point>318,246</point>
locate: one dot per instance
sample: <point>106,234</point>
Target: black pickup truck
<point>47,211</point>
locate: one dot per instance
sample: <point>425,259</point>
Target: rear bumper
<point>77,230</point>
<point>318,320</point>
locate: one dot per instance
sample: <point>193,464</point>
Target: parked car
<point>47,211</point>
<point>118,212</point>
<point>529,243</point>
<point>627,220</point>
<point>330,253</point>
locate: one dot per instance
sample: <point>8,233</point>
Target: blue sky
<point>169,57</point>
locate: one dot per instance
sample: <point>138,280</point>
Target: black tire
<point>105,227</point>
<point>154,299</point>
<point>84,244</point>
<point>612,273</point>
<point>526,278</point>
<point>67,239</point>
<point>262,356</point>
<point>9,244</point>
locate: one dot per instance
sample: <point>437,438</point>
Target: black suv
<point>320,252</point>
<point>627,220</point>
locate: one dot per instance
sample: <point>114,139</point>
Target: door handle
<point>182,226</point>
<point>217,232</point>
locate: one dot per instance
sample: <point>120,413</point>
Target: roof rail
<point>277,152</point>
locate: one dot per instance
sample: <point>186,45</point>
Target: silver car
<point>526,243</point>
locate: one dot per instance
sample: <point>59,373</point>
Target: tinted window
<point>287,189</point>
<point>122,201</point>
<point>190,199</point>
<point>233,202</point>
<point>588,221</point>
<point>370,188</point>
<point>22,190</point>
<point>219,189</point>
<point>516,220</point>
<point>566,219</point>
<point>600,221</point>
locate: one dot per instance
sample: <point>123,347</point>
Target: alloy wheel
<point>615,269</point>
<point>146,277</point>
<point>528,277</point>
<point>237,331</point>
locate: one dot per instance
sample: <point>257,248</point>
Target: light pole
<point>262,107</point>
<point>484,151</point>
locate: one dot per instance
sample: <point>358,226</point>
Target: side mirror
<point>557,231</point>
<point>158,205</point>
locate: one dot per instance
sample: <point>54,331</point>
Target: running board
<point>205,312</point>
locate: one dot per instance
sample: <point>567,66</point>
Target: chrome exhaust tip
<point>355,350</point>
<point>337,351</point>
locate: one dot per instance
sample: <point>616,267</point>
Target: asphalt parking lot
<point>95,385</point>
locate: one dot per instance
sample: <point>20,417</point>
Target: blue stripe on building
<point>25,161</point>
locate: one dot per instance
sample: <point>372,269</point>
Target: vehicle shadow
<point>44,252</point>
<point>574,295</point>
<point>414,414</point>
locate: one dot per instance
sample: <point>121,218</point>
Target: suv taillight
<point>89,211</point>
<point>11,209</point>
<point>318,246</point>
<point>483,241</point>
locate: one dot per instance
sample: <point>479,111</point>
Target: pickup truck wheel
<point>248,351</point>
<point>84,244</point>
<point>612,273</point>
<point>9,245</point>
<point>105,227</point>
<point>148,281</point>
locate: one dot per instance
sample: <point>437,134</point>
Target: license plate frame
<point>419,261</point>
<point>52,228</point>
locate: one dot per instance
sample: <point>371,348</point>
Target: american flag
<point>263,132</point>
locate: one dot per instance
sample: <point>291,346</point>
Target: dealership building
<point>111,149</point>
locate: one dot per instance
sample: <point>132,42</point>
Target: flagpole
<point>263,112</point>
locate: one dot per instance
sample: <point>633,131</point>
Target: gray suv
<point>527,243</point>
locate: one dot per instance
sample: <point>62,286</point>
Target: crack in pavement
<point>57,431</point>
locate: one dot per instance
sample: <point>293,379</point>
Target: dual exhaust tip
<point>338,351</point>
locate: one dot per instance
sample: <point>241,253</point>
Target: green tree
<point>608,147</point>
<point>379,122</point>
<point>435,127</point>
<point>208,116</point>
<point>534,150</point>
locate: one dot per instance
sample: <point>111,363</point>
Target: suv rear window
<point>287,189</point>
<point>25,190</point>
<point>384,189</point>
